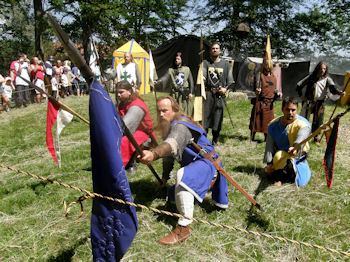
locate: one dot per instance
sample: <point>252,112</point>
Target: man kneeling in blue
<point>284,162</point>
<point>196,174</point>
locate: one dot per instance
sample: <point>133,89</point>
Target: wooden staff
<point>315,133</point>
<point>254,117</point>
<point>80,62</point>
<point>226,175</point>
<point>63,106</point>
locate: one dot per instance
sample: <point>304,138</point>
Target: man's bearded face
<point>127,58</point>
<point>163,127</point>
<point>165,116</point>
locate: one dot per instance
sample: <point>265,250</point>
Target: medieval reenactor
<point>218,78</point>
<point>137,119</point>
<point>266,92</point>
<point>181,83</point>
<point>317,85</point>
<point>196,174</point>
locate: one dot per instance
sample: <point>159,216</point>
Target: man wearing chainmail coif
<point>218,78</point>
<point>196,175</point>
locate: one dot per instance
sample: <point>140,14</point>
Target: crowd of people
<point>285,162</point>
<point>54,77</point>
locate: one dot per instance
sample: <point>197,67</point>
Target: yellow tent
<point>141,58</point>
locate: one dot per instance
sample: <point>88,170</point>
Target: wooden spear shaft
<point>318,130</point>
<point>254,117</point>
<point>315,133</point>
<point>63,106</point>
<point>227,176</point>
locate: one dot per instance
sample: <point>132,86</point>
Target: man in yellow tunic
<point>284,162</point>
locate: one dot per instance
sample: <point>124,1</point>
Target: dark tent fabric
<point>188,45</point>
<point>244,76</point>
<point>291,75</point>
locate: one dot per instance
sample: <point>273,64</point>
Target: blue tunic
<point>284,137</point>
<point>199,172</point>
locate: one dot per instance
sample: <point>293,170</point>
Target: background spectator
<point>21,68</point>
<point>54,84</point>
<point>6,93</point>
<point>37,70</point>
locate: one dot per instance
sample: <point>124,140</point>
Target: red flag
<point>330,153</point>
<point>52,110</point>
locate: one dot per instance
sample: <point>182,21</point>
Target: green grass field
<point>33,226</point>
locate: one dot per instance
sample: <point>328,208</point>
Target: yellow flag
<point>197,108</point>
<point>346,98</point>
<point>198,100</point>
<point>200,80</point>
<point>268,52</point>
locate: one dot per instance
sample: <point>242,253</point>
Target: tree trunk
<point>38,15</point>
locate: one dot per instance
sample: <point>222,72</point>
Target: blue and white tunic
<point>198,171</point>
<point>281,137</point>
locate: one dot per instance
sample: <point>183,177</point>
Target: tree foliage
<point>16,32</point>
<point>261,16</point>
<point>296,28</point>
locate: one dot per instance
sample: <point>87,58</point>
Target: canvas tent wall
<point>188,45</point>
<point>141,58</point>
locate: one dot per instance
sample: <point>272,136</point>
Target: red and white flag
<point>55,113</point>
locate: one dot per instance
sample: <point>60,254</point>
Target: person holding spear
<point>316,86</point>
<point>201,169</point>
<point>284,162</point>
<point>266,92</point>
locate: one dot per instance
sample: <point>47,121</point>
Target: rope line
<point>59,87</point>
<point>89,194</point>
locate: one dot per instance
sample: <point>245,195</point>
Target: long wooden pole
<point>227,176</point>
<point>63,106</point>
<point>88,74</point>
<point>318,130</point>
<point>254,117</point>
<point>315,133</point>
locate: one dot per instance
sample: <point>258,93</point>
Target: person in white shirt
<point>6,93</point>
<point>64,83</point>
<point>54,84</point>
<point>23,70</point>
<point>128,71</point>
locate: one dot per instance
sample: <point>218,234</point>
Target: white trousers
<point>184,200</point>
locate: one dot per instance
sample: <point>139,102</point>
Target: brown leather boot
<point>179,234</point>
